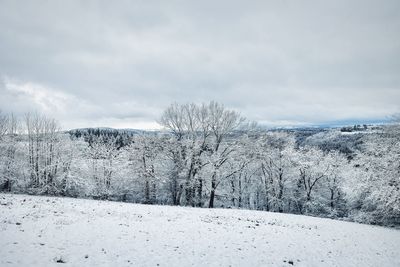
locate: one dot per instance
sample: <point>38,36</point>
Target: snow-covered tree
<point>378,186</point>
<point>144,152</point>
<point>102,152</point>
<point>313,169</point>
<point>10,165</point>
<point>275,159</point>
<point>43,151</point>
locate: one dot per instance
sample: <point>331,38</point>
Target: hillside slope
<point>47,231</point>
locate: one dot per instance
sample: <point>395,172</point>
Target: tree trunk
<point>174,190</point>
<point>280,193</point>
<point>147,191</point>
<point>178,198</point>
<point>200,193</point>
<point>240,193</point>
<point>213,187</point>
<point>212,195</point>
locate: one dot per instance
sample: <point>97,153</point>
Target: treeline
<point>209,156</point>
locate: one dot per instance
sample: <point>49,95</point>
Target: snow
<point>39,231</point>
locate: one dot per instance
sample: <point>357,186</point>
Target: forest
<point>210,156</point>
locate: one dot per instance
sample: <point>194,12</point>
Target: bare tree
<point>43,150</point>
<point>223,122</point>
<point>145,151</point>
<point>313,169</point>
<point>190,126</point>
<point>3,125</point>
<point>8,132</point>
<point>274,156</point>
<point>102,152</point>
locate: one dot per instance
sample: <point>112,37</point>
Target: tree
<point>335,182</point>
<point>144,151</point>
<point>312,169</point>
<point>378,185</point>
<point>275,152</point>
<point>190,126</point>
<point>210,157</point>
<point>4,125</point>
<point>200,132</point>
<point>8,143</point>
<point>223,123</point>
<point>103,151</point>
<point>43,151</point>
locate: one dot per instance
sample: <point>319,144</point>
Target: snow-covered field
<point>49,231</point>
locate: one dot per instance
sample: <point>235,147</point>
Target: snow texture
<point>51,231</point>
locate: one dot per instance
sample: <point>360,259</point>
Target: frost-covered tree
<point>334,181</point>
<point>275,158</point>
<point>4,124</point>
<point>313,169</point>
<point>144,153</point>
<point>378,185</point>
<point>43,151</point>
<point>10,165</point>
<point>190,128</point>
<point>200,132</point>
<point>102,152</point>
<point>207,158</point>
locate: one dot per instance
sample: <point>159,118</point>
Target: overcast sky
<point>120,63</point>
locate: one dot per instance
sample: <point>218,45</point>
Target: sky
<point>121,63</point>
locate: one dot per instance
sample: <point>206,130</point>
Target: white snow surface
<point>39,231</point>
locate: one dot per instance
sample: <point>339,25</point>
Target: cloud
<point>45,99</point>
<point>22,97</point>
<point>122,63</point>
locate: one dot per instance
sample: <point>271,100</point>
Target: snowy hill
<point>47,231</point>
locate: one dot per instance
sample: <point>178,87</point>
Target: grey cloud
<point>121,63</point>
